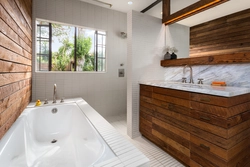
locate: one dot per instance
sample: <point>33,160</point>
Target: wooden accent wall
<point>15,60</point>
<point>226,35</point>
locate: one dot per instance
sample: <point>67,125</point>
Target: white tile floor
<point>158,158</point>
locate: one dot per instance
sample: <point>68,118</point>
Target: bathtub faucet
<point>54,94</point>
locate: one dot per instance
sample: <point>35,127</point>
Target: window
<point>69,48</point>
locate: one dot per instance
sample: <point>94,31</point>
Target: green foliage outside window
<point>63,47</point>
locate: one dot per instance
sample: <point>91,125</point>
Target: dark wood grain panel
<point>232,56</point>
<point>16,14</point>
<point>15,60</point>
<point>172,107</point>
<point>172,92</point>
<point>217,40</point>
<point>218,100</point>
<point>146,99</point>
<point>208,118</point>
<point>147,105</point>
<point>146,93</point>
<point>13,67</point>
<point>232,29</point>
<point>184,134</point>
<point>146,117</point>
<point>22,8</point>
<point>203,144</point>
<point>193,163</point>
<point>173,100</point>
<point>11,45</point>
<point>218,121</point>
<point>199,159</point>
<point>146,88</point>
<point>6,30</point>
<point>171,142</point>
<point>171,121</point>
<point>198,129</point>
<point>221,111</point>
<point>11,22</point>
<point>205,154</point>
<point>239,128</point>
<point>19,105</point>
<point>226,154</point>
<point>6,102</point>
<point>10,56</point>
<point>8,78</point>
<point>146,110</point>
<point>171,135</point>
<point>8,90</point>
<point>228,34</point>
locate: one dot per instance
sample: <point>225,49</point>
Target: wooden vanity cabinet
<point>197,129</point>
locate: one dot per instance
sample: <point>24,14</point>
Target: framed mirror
<point>220,37</point>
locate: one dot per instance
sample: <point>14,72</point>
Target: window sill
<point>70,72</point>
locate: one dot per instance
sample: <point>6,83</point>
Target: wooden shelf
<point>235,58</point>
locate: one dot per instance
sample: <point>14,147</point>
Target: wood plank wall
<point>15,60</point>
<point>226,35</point>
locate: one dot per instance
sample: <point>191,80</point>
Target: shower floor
<point>158,158</point>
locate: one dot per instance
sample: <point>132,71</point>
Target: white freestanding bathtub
<point>69,134</point>
<point>42,138</point>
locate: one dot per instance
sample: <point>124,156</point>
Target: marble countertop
<point>225,91</point>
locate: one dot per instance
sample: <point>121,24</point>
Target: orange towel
<point>218,83</point>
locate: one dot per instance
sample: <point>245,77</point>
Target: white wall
<point>177,36</point>
<point>103,91</point>
<point>146,43</point>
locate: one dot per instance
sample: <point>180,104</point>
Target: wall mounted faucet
<point>191,73</point>
<point>54,94</point>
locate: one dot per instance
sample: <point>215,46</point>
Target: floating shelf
<point>235,58</point>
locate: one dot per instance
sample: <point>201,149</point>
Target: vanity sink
<point>191,86</point>
<point>225,91</point>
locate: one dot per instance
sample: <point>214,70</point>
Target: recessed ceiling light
<point>130,2</point>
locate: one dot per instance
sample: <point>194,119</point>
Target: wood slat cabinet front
<point>197,129</point>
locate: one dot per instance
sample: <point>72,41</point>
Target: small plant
<point>173,50</point>
<point>168,48</point>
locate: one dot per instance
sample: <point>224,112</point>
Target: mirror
<point>178,34</point>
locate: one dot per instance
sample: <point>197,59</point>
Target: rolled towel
<point>218,83</point>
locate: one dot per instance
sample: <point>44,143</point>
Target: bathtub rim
<point>128,155</point>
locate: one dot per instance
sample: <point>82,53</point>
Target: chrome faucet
<point>191,73</point>
<point>54,94</point>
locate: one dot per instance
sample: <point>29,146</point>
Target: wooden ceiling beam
<point>165,9</point>
<point>188,11</point>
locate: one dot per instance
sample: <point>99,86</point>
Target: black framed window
<point>69,48</point>
<point>43,46</point>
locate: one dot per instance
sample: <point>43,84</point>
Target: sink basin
<point>191,86</point>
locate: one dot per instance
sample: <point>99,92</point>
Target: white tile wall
<point>146,43</point>
<point>103,91</point>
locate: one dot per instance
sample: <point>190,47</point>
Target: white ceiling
<point>224,9</point>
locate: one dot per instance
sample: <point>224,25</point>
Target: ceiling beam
<point>151,6</point>
<point>165,9</point>
<point>187,11</point>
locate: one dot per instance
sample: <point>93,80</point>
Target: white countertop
<point>225,91</point>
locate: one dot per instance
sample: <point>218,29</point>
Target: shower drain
<point>54,141</point>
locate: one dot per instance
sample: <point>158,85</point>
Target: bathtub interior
<point>65,138</point>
